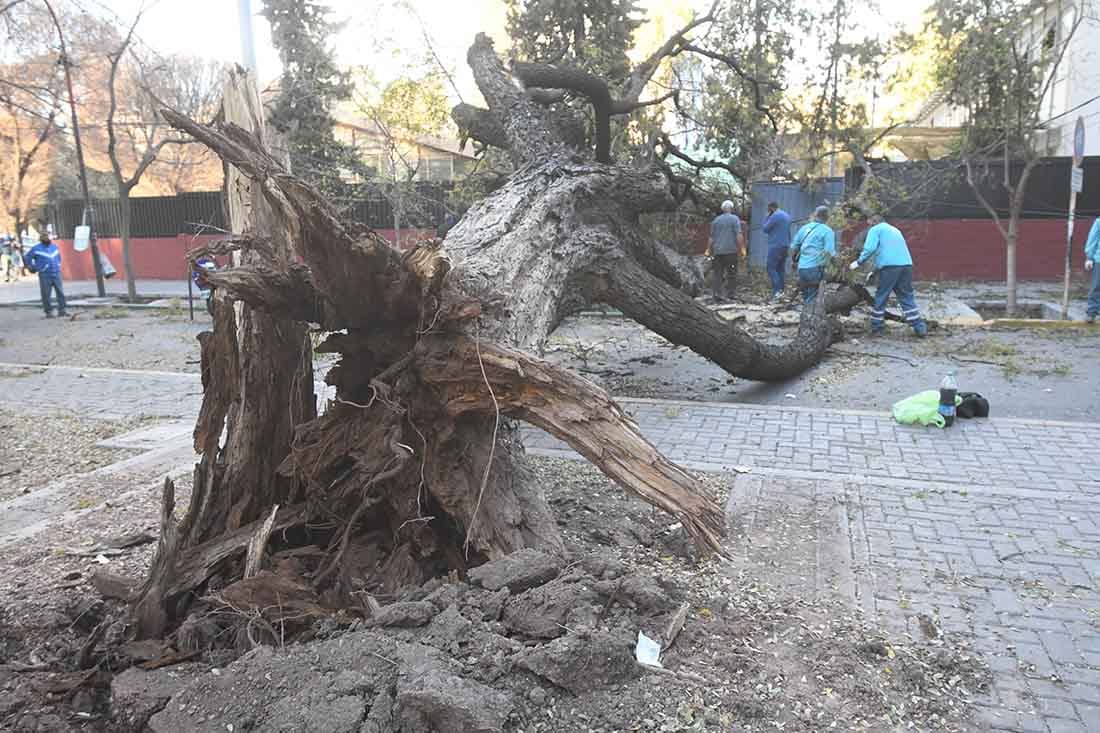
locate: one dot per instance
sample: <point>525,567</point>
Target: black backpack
<point>972,405</point>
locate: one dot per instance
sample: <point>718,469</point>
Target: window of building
<point>439,169</point>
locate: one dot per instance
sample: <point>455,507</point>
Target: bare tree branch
<point>643,72</point>
<point>756,84</point>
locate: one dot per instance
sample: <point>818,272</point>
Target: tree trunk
<point>414,469</point>
<point>1017,196</point>
<point>1010,263</point>
<point>257,374</point>
<point>125,224</point>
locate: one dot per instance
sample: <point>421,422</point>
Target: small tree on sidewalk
<point>998,62</point>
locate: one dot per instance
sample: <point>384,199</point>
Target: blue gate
<point>793,198</point>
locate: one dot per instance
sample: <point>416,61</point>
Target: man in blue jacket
<point>45,259</point>
<point>895,275</point>
<point>778,228</point>
<point>1092,264</point>
<point>814,246</point>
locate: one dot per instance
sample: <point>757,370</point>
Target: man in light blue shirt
<point>886,244</point>
<point>1092,264</point>
<point>725,244</point>
<point>778,228</point>
<point>813,247</point>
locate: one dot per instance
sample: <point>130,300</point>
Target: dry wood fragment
<point>676,624</point>
<point>255,555</point>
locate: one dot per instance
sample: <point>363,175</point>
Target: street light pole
<point>88,211</point>
<point>248,47</point>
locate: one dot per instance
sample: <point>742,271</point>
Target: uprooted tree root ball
<point>414,471</point>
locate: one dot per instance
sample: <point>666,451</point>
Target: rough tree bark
<point>414,469</point>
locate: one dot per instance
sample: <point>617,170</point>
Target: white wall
<point>1078,83</point>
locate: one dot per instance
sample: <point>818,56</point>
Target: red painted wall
<point>973,249</point>
<point>165,258</point>
<point>160,258</point>
<point>943,249</point>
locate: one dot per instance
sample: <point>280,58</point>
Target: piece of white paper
<point>647,651</point>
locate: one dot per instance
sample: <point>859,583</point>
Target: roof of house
<point>444,144</point>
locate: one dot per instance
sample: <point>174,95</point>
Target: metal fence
<point>939,190</point>
<point>150,216</point>
<point>422,206</point>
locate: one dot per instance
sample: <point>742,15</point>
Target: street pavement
<point>990,529</point>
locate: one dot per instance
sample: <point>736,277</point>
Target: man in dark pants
<point>778,228</point>
<point>1092,265</point>
<point>725,243</point>
<point>886,244</point>
<point>45,259</point>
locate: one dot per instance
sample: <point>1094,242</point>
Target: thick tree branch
<point>573,410</point>
<point>531,136</point>
<point>480,124</point>
<point>673,314</point>
<point>592,87</point>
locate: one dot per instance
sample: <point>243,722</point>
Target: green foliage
<point>762,36</point>
<point>310,86</point>
<point>989,65</point>
<point>594,35</point>
<point>791,97</point>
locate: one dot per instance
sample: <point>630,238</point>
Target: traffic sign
<point>1077,179</point>
<point>1079,142</point>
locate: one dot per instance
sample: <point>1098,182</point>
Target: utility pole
<point>248,46</point>
<point>89,212</point>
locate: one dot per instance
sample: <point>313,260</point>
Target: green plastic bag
<point>923,408</point>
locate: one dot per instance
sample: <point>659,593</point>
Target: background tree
<point>998,64</point>
<point>137,89</point>
<point>593,35</point>
<point>31,99</point>
<point>403,112</point>
<point>310,87</point>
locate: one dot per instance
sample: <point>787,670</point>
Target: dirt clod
<point>518,571</point>
<point>407,614</point>
<point>580,662</point>
<point>431,698</point>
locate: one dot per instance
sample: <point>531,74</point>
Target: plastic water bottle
<point>948,389</point>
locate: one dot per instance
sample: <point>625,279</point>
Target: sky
<point>372,31</point>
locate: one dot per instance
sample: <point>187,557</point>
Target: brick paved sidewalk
<point>991,529</point>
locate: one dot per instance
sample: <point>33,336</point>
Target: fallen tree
<point>415,470</point>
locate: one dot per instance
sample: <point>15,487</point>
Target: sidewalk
<point>26,289</point>
<point>989,530</point>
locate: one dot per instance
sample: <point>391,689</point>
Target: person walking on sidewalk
<point>44,258</point>
<point>1092,264</point>
<point>813,247</point>
<point>895,275</point>
<point>7,259</point>
<point>778,228</point>
<point>725,243</point>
